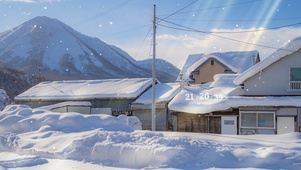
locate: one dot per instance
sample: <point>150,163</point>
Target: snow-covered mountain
<point>50,48</point>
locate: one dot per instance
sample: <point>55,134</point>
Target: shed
<point>106,94</point>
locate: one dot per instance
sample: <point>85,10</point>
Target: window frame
<point>257,120</point>
<point>290,75</point>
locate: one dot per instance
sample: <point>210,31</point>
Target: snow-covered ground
<point>38,139</point>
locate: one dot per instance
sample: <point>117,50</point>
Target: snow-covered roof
<point>164,93</point>
<point>191,59</point>
<point>237,61</point>
<point>87,89</point>
<point>201,100</point>
<point>287,49</point>
<point>223,80</point>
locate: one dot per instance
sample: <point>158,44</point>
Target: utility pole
<point>154,74</point>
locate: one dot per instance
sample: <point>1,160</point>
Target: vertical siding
<point>145,118</point>
<point>192,123</point>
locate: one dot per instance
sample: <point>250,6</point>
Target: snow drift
<point>39,136</point>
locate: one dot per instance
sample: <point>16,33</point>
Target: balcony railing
<point>294,86</point>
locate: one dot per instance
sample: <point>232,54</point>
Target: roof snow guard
<point>87,89</point>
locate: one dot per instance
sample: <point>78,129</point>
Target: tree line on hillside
<point>15,82</point>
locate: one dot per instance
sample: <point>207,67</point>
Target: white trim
<point>293,85</point>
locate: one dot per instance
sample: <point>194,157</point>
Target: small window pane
<point>265,120</point>
<point>295,74</point>
<point>228,122</point>
<point>248,119</point>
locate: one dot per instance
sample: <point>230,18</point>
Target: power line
<point>143,42</point>
<point>216,7</point>
<point>131,29</point>
<point>223,32</point>
<point>102,13</point>
<point>180,9</point>
<point>226,38</point>
<point>236,20</point>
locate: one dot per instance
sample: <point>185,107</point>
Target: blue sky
<point>127,23</point>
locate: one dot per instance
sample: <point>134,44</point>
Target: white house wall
<point>285,125</point>
<point>274,79</point>
<point>287,112</point>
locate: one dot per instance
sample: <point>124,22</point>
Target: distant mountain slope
<point>55,51</point>
<point>15,82</point>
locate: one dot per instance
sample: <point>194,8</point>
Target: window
<point>266,120</point>
<point>295,79</point>
<point>212,62</point>
<point>228,122</point>
<point>257,119</point>
<point>295,73</point>
<point>248,119</point>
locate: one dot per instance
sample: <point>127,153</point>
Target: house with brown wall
<point>200,68</point>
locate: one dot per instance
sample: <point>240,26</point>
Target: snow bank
<point>109,141</point>
<point>95,138</point>
<point>21,119</point>
<point>24,161</point>
<point>8,141</point>
<point>131,121</point>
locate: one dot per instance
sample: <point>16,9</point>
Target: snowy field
<point>33,139</point>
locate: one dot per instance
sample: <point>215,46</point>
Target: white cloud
<point>30,1</point>
<point>24,1</point>
<point>26,13</point>
<point>176,48</point>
